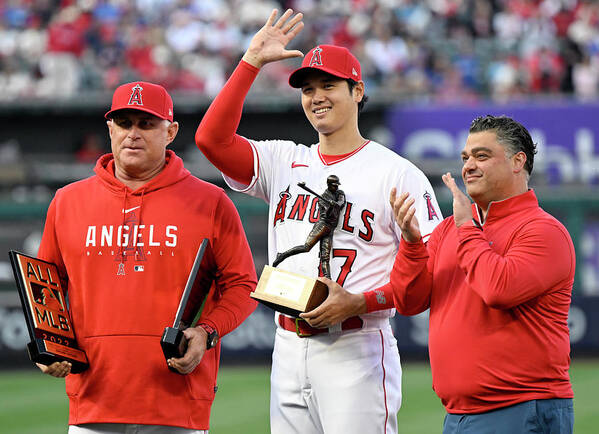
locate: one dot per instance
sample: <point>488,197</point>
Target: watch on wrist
<point>212,335</point>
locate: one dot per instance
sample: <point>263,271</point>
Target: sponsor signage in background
<point>567,135</point>
<point>253,340</point>
<point>568,139</point>
<point>588,260</point>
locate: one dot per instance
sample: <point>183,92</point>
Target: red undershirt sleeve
<point>216,135</point>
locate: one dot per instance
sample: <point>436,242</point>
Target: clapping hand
<point>462,208</point>
<point>404,212</point>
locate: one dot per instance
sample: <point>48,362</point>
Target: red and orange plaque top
<point>45,296</point>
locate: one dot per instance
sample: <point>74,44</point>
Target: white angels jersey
<point>366,238</point>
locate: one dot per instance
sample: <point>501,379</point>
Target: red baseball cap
<point>335,60</point>
<point>144,96</point>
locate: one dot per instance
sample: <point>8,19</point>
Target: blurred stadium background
<point>430,67</point>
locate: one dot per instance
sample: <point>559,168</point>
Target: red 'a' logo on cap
<point>316,60</point>
<point>135,97</point>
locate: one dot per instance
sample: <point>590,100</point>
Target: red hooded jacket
<point>123,294</point>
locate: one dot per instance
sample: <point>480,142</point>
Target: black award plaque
<point>46,314</point>
<point>191,305</point>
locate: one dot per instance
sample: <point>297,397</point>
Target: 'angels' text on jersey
<point>305,207</point>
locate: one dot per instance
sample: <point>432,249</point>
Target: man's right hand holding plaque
<point>292,293</point>
<point>177,339</point>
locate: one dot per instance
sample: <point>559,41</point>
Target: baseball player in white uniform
<point>336,370</point>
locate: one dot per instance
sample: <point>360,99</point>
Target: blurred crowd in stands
<point>445,50</point>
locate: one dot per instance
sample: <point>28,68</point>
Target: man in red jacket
<point>124,242</point>
<point>497,277</point>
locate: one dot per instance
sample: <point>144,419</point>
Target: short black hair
<point>511,134</point>
<point>352,83</point>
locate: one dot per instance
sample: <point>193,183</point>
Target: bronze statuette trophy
<point>46,314</point>
<point>191,305</point>
<point>292,293</point>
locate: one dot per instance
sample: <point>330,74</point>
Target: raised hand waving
<point>268,44</point>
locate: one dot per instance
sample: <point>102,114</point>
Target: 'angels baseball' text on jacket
<point>126,256</point>
<point>499,299</point>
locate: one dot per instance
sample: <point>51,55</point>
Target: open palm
<point>405,215</point>
<point>462,209</point>
<point>268,44</point>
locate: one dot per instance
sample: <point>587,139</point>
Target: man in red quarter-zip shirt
<point>497,277</point>
<point>124,242</point>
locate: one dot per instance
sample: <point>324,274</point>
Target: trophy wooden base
<point>47,352</point>
<point>289,293</point>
